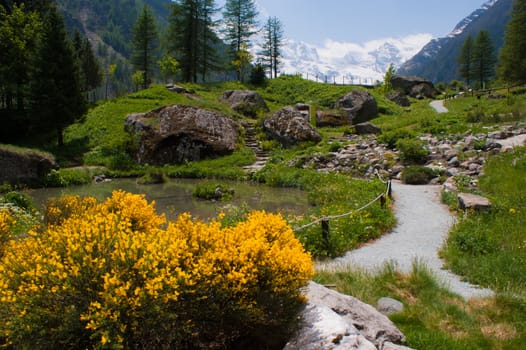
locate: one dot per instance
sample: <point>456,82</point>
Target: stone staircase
<point>251,142</point>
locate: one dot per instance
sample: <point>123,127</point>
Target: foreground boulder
<point>413,86</point>
<point>399,98</point>
<point>335,321</point>
<point>358,106</point>
<point>178,133</point>
<point>468,201</point>
<point>245,102</point>
<point>25,166</point>
<point>290,127</point>
<point>331,119</point>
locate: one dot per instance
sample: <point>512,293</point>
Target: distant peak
<point>461,26</point>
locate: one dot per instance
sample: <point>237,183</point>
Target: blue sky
<point>360,21</point>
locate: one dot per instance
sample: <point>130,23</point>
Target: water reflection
<point>175,196</point>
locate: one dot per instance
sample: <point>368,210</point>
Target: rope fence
<point>326,219</point>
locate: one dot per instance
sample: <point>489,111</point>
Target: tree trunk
<point>60,136</point>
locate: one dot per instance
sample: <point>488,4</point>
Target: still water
<point>175,196</point>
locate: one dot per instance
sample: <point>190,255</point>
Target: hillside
<point>437,60</point>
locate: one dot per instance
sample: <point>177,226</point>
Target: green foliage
<point>412,151</point>
<point>512,66</point>
<point>387,86</point>
<point>465,60</point>
<point>483,58</point>
<point>391,138</point>
<point>145,41</point>
<point>20,200</point>
<point>58,74</point>
<point>489,248</point>
<point>169,67</point>
<point>152,176</point>
<point>272,44</point>
<point>332,194</point>
<point>67,177</point>
<point>417,175</point>
<point>213,190</point>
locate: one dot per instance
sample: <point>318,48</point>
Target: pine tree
<point>192,37</point>
<point>145,41</point>
<point>484,60</point>
<point>465,60</point>
<point>512,59</point>
<point>240,22</point>
<point>56,94</point>
<point>273,41</point>
<point>18,38</point>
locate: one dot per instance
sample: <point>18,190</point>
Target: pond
<point>175,196</point>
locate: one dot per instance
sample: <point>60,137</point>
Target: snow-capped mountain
<point>347,62</point>
<point>437,59</point>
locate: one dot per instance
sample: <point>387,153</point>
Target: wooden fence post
<point>325,232</point>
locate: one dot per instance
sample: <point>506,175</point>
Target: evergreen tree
<point>19,34</point>
<point>192,37</point>
<point>145,41</point>
<point>465,60</point>
<point>240,23</point>
<point>484,60</point>
<point>56,95</point>
<point>273,41</point>
<point>388,86</point>
<point>512,59</point>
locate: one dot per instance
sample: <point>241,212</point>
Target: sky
<point>359,21</point>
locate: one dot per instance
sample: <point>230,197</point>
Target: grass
<point>433,317</point>
<point>490,248</point>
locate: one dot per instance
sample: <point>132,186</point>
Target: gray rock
<point>413,86</point>
<point>289,127</point>
<point>399,98</point>
<point>178,89</point>
<point>472,201</point>
<point>450,185</point>
<point>388,306</point>
<point>245,102</point>
<point>350,315</point>
<point>331,119</point>
<point>176,133</point>
<point>367,128</point>
<point>24,166</point>
<point>359,106</point>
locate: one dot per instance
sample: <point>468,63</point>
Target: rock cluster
<point>358,106</point>
<point>333,321</point>
<point>413,86</point>
<point>460,155</point>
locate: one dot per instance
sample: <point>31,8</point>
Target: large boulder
<point>290,127</point>
<point>177,133</point>
<point>332,320</point>
<point>245,102</point>
<point>359,106</point>
<point>413,86</point>
<point>399,98</point>
<point>24,166</point>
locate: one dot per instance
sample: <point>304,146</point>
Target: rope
<point>334,217</point>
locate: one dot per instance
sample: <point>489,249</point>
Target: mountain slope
<point>437,61</point>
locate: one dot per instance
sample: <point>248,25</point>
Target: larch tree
<point>512,58</point>
<point>240,21</point>
<point>465,60</point>
<point>483,59</point>
<point>145,41</point>
<point>56,94</point>
<point>272,44</point>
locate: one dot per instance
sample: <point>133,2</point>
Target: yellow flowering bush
<point>113,275</point>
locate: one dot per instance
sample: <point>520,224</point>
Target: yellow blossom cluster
<point>6,222</point>
<point>113,275</point>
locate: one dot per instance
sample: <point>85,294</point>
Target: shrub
<point>152,176</point>
<point>111,275</point>
<point>391,138</point>
<point>417,175</point>
<point>212,190</point>
<point>412,151</point>
<point>67,177</point>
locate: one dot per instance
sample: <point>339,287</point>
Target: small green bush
<point>417,175</point>
<point>152,177</point>
<point>67,177</point>
<point>19,199</point>
<point>213,191</point>
<point>412,151</point>
<point>391,138</point>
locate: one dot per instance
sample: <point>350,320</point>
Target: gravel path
<point>423,226</point>
<point>438,105</point>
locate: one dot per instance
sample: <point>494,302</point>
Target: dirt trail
<point>423,226</point>
<point>438,105</point>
